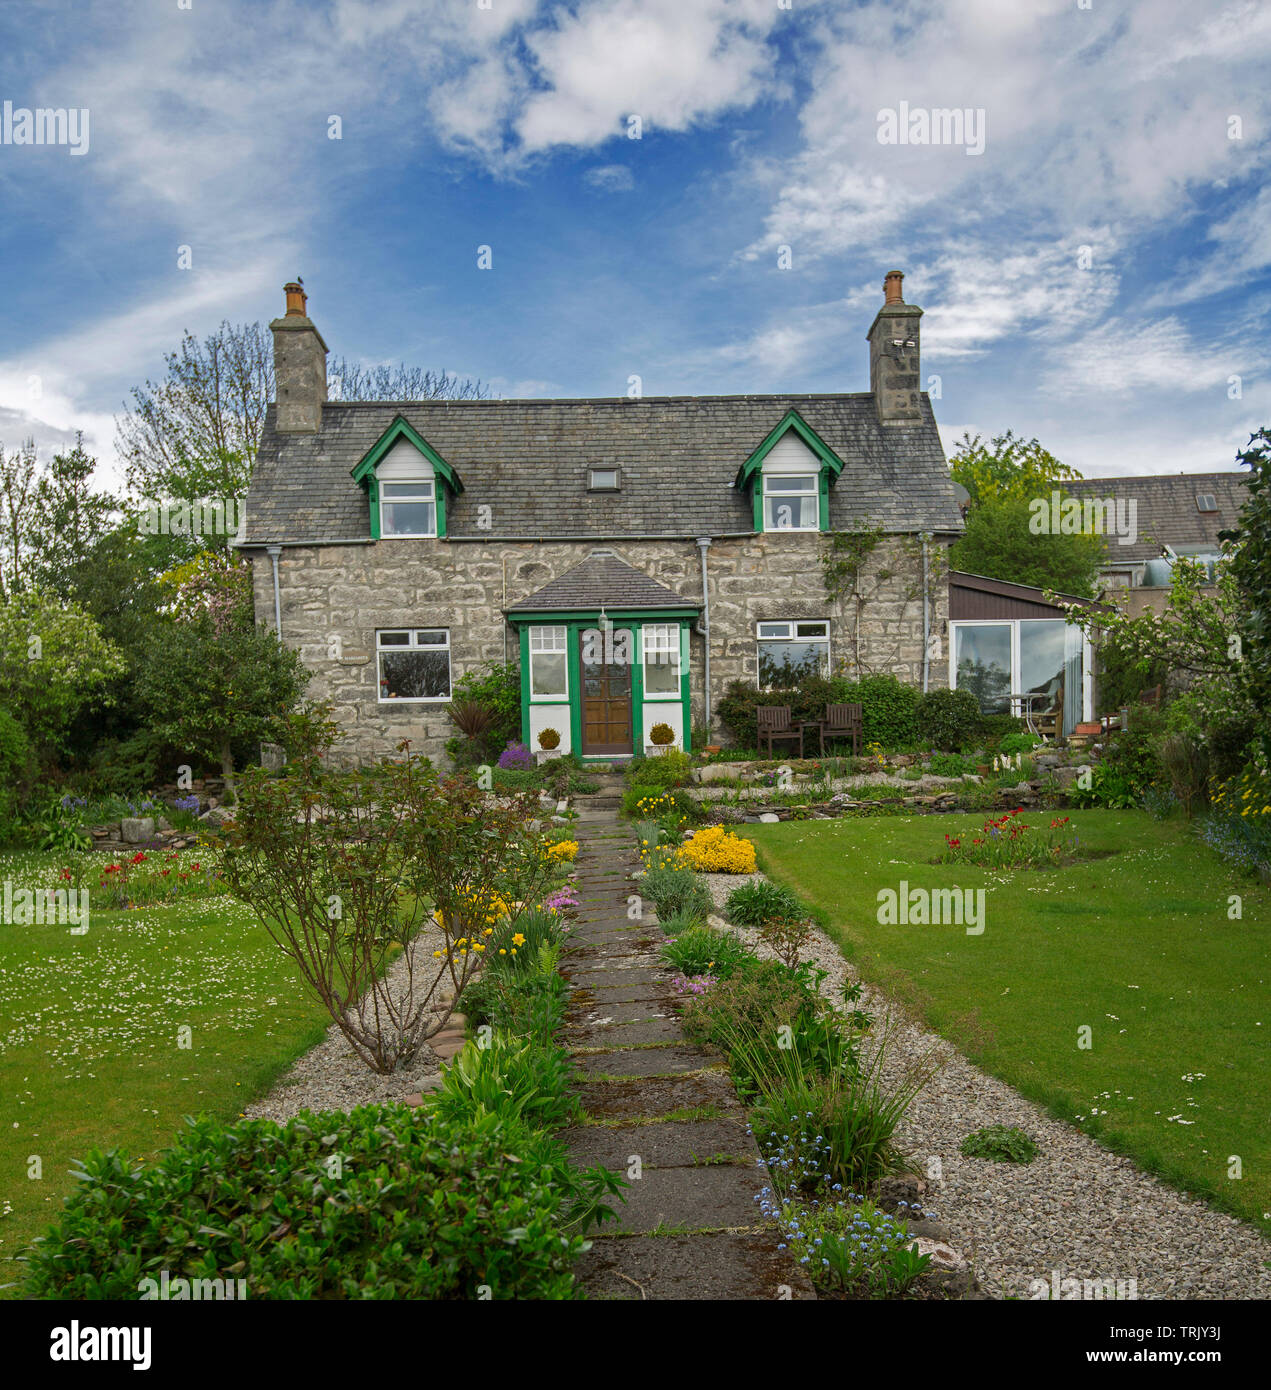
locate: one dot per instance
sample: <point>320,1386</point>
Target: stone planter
<point>545,755</point>
<point>653,750</point>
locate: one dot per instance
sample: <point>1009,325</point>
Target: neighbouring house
<point>634,556</point>
<point>1013,649</point>
<point>1175,514</point>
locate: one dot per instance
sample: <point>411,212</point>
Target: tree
<point>201,424</point>
<point>196,432</point>
<point>997,542</point>
<point>1003,478</point>
<point>54,662</point>
<point>69,520</point>
<point>214,678</point>
<point>1007,466</point>
<point>18,477</point>
<point>349,381</point>
<point>1251,575</point>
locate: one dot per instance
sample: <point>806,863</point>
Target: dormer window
<point>408,485</point>
<point>408,508</point>
<point>789,477</point>
<point>602,480</point>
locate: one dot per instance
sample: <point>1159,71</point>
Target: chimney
<point>300,367</point>
<point>894,361</point>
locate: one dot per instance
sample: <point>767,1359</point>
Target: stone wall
<point>334,598</point>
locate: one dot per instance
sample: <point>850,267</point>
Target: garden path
<point>660,1110</point>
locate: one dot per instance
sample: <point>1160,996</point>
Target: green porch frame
<point>578,621</point>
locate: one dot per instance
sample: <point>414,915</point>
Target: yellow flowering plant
<point>717,850</point>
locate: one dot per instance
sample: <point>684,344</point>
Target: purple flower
<point>515,755</point>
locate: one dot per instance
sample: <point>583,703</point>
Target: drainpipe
<point>926,619</point>
<point>274,551</point>
<point>704,627</point>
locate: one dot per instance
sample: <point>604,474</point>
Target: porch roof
<point>602,581</point>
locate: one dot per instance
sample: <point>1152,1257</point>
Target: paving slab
<point>711,1196</point>
<point>647,1061</point>
<point>717,1266</point>
<point>674,1143</point>
<point>606,1031</point>
<point>644,1097</point>
<point>611,1013</point>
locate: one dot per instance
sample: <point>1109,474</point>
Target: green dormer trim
<point>750,474</point>
<point>364,473</point>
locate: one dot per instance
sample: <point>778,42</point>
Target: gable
<point>404,460</point>
<point>790,455</point>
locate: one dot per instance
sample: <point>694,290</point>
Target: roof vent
<point>1206,502</point>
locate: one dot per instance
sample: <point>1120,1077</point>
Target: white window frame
<point>792,626</point>
<point>412,644</point>
<point>664,638</point>
<point>813,491</point>
<point>427,493</point>
<point>559,633</point>
<point>594,473</point>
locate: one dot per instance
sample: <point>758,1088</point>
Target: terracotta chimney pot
<point>891,287</point>
<point>295,299</point>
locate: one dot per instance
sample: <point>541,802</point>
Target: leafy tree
<point>215,679</point>
<point>1006,467</point>
<point>18,478</point>
<point>1002,478</point>
<point>54,662</point>
<point>1251,575</point>
<point>997,542</point>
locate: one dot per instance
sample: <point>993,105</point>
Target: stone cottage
<point>632,556</point>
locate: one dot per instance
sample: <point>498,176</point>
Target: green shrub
<point>673,891</point>
<point>682,920</point>
<point>1004,1143</point>
<point>417,1208</point>
<point>660,771</point>
<point>951,765</point>
<point>997,729</point>
<point>1018,742</point>
<point>666,804</point>
<point>1110,788</point>
<point>753,904</point>
<point>497,686</point>
<point>518,1079</point>
<point>750,1015</point>
<point>703,951</point>
<point>949,720</point>
<point>17,766</point>
<point>888,710</point>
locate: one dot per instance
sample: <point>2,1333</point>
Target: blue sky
<point>1135,130</point>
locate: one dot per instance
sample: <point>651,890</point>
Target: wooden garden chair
<point>774,723</point>
<point>843,721</point>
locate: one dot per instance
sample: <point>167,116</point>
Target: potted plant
<point>548,746</point>
<point>661,737</point>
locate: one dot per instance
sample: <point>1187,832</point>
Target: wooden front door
<point>605,682</point>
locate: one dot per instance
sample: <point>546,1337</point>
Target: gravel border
<point>1077,1209</point>
<point>331,1076</point>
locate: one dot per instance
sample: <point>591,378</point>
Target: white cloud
<point>1122,357</point>
<point>610,178</point>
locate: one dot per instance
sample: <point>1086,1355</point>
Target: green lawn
<point>90,1037</point>
<point>1138,946</point>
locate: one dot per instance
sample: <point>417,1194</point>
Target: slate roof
<point>602,580</point>
<point>528,461</point>
<point>1167,511</point>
